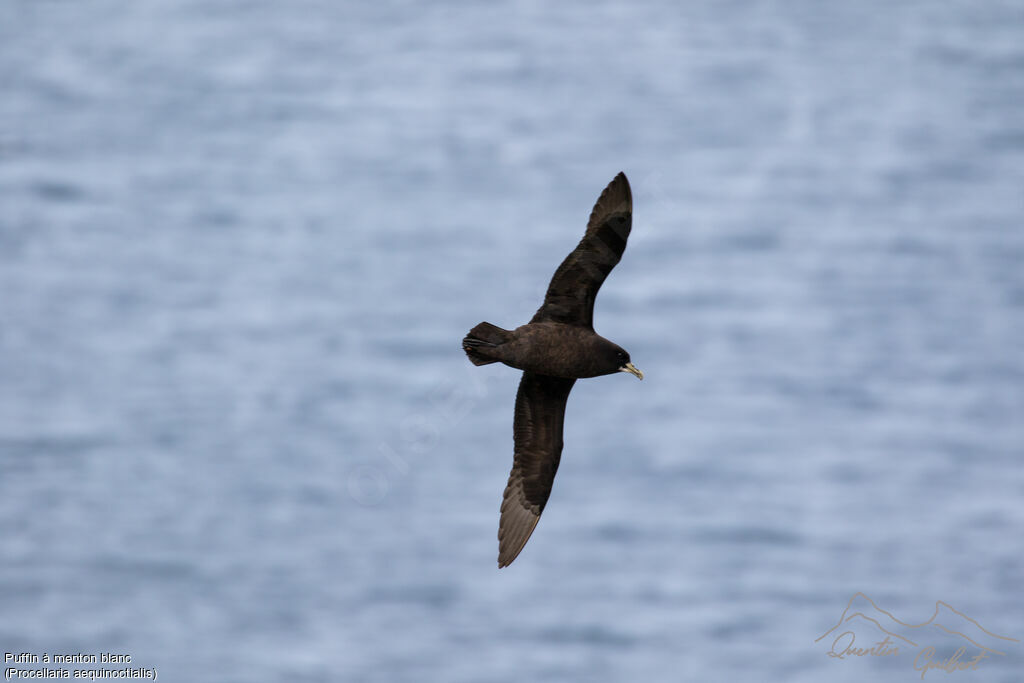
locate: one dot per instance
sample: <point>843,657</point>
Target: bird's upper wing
<point>540,411</point>
<point>571,294</point>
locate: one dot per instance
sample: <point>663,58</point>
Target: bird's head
<point>616,359</point>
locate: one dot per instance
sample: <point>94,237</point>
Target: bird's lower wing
<point>540,413</point>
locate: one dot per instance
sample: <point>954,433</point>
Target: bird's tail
<point>481,341</point>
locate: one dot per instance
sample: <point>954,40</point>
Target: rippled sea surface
<point>241,241</point>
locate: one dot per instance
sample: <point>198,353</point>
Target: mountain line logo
<point>866,630</point>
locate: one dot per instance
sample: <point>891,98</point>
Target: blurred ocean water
<point>239,245</point>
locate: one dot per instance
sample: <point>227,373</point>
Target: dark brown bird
<point>553,350</point>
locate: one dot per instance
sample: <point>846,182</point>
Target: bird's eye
<point>622,355</point>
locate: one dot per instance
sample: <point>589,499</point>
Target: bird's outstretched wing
<point>540,412</point>
<point>571,294</point>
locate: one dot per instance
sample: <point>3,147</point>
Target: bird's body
<point>557,347</point>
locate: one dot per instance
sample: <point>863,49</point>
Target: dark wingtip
<point>617,197</point>
<point>621,178</point>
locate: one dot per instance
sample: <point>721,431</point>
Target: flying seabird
<point>557,347</point>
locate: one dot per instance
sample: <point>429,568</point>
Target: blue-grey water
<point>240,242</point>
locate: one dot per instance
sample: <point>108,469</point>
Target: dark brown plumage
<point>555,348</point>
